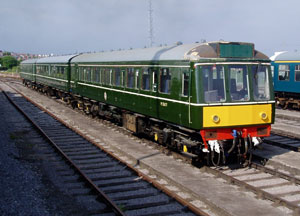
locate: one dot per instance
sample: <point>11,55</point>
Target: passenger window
<point>260,82</point>
<point>84,74</point>
<point>185,82</point>
<point>92,74</point>
<point>130,78</point>
<point>107,76</point>
<point>238,80</point>
<point>88,75</point>
<point>165,81</point>
<point>213,83</point>
<point>38,70</point>
<point>62,70</point>
<point>284,73</point>
<point>97,75</point>
<point>102,75</point>
<point>117,77</point>
<point>146,79</point>
<point>297,73</point>
<point>54,69</point>
<point>80,70</point>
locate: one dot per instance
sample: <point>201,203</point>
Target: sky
<point>74,26</point>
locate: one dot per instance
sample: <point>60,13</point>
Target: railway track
<point>279,187</point>
<point>283,142</point>
<point>119,188</point>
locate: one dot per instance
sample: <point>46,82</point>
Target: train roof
<point>56,59</point>
<point>286,56</point>
<point>189,52</point>
<point>29,61</point>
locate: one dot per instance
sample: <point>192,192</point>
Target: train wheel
<point>94,110</point>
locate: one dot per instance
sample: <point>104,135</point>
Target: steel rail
<point>159,186</point>
<point>100,193</point>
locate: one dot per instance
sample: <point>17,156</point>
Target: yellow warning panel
<point>222,116</point>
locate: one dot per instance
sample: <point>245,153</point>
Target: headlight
<point>216,118</point>
<point>263,116</point>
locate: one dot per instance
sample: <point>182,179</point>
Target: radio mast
<point>151,35</point>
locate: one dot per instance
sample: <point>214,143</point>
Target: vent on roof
<point>233,50</point>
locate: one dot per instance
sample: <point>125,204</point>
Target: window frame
<point>298,70</point>
<point>281,70</point>
<point>162,79</point>
<point>210,87</point>
<point>132,77</point>
<point>145,69</point>
<point>183,81</point>
<point>247,82</point>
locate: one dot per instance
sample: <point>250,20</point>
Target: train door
<point>34,73</point>
<point>154,92</point>
<point>74,78</point>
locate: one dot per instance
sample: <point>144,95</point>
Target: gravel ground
<point>28,185</point>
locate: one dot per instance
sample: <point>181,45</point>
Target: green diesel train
<point>208,100</point>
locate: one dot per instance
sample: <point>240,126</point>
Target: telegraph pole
<point>151,35</point>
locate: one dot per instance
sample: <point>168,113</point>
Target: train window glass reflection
<point>297,73</point>
<point>213,83</point>
<point>260,82</point>
<point>165,80</point>
<point>137,75</point>
<point>146,79</point>
<point>130,78</point>
<point>238,82</point>
<point>284,72</point>
<point>185,83</point>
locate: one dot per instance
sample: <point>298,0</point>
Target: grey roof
<point>287,56</point>
<point>144,54</point>
<point>55,59</point>
<point>188,52</point>
<point>29,61</point>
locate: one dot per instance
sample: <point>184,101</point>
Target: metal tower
<point>151,35</point>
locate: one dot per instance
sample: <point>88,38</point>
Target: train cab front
<point>238,108</point>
